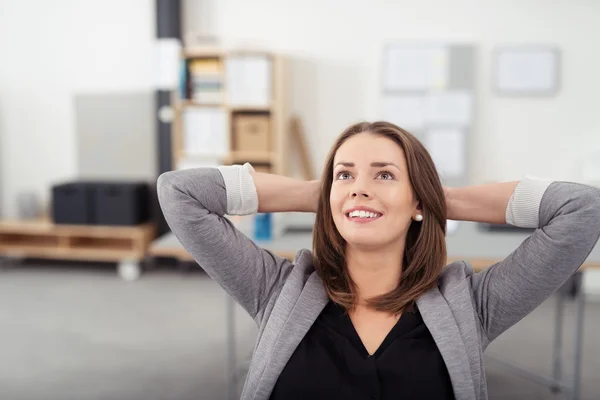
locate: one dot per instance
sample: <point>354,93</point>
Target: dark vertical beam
<point>168,25</point>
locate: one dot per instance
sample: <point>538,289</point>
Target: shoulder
<point>455,274</point>
<point>304,259</point>
<point>303,265</point>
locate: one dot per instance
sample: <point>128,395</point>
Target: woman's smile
<point>362,215</point>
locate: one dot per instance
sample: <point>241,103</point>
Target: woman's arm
<point>194,202</point>
<point>567,220</point>
<point>482,203</point>
<point>278,193</point>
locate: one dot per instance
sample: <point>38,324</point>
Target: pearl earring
<point>419,218</point>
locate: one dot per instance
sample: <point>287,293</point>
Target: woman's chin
<point>367,242</point>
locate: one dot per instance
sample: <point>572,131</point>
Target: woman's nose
<point>359,193</point>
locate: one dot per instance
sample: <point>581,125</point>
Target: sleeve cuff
<point>523,209</point>
<point>242,198</point>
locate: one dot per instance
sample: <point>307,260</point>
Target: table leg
<point>558,340</point>
<point>580,302</point>
<point>231,350</point>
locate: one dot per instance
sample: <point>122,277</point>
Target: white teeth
<point>363,214</point>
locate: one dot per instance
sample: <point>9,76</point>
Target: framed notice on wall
<point>428,89</point>
<point>526,70</point>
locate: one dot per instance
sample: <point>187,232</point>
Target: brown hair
<point>425,250</point>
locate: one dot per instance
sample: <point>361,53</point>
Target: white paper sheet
<point>167,63</point>
<point>416,67</point>
<point>205,131</point>
<point>406,111</point>
<point>449,108</point>
<point>249,81</point>
<point>447,149</point>
<point>523,70</point>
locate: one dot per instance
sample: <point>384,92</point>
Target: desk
<point>481,248</point>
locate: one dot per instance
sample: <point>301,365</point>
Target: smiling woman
<point>391,256</point>
<point>373,312</point>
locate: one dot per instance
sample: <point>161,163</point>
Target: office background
<point>65,65</point>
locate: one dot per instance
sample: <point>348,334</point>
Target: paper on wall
<point>416,67</point>
<point>406,111</point>
<point>525,70</point>
<point>167,63</point>
<point>449,108</point>
<point>413,111</point>
<point>447,149</point>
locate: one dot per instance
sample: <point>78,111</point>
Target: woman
<point>374,312</point>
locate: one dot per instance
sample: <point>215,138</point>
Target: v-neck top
<point>331,362</point>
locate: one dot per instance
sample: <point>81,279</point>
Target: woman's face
<point>372,200</point>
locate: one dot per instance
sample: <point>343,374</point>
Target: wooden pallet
<point>46,240</point>
<point>168,246</point>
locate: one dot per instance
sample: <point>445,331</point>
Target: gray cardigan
<point>464,313</point>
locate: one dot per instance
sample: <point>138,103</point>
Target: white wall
<point>50,50</point>
<point>339,50</point>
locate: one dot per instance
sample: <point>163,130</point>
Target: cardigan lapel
<point>313,298</point>
<point>307,308</point>
<point>440,321</point>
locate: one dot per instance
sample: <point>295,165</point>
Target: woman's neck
<point>374,272</point>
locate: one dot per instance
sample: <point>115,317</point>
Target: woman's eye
<point>386,175</point>
<point>343,175</point>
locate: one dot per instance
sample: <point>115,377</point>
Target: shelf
<point>233,157</point>
<point>239,109</point>
<point>272,109</point>
<point>192,103</point>
<point>250,109</point>
<point>183,155</point>
<point>250,156</point>
<point>203,53</point>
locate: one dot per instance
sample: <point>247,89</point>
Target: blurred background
<point>98,98</point>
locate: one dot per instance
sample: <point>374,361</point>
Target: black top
<point>331,362</point>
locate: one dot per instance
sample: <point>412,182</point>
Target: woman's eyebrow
<point>376,164</point>
<point>381,164</point>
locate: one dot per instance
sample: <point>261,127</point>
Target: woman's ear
<point>418,207</point>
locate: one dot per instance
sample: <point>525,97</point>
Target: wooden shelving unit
<point>270,154</point>
<point>255,133</point>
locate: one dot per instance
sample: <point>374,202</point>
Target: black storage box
<point>72,203</point>
<point>121,203</point>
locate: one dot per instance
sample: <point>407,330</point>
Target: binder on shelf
<point>206,81</point>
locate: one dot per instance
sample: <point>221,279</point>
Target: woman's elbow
<point>166,188</point>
